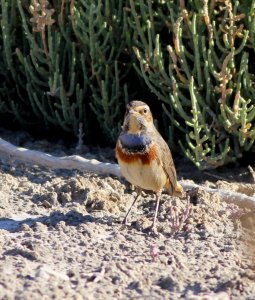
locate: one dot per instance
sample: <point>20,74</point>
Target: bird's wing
<point>173,187</point>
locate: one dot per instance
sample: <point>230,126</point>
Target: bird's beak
<point>131,111</point>
<point>134,122</point>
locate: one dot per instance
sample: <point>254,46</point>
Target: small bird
<point>144,157</point>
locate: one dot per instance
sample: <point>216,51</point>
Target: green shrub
<point>195,59</point>
<point>66,63</point>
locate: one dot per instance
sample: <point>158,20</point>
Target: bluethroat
<point>144,157</point>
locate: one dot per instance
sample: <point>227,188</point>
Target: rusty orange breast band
<point>128,157</point>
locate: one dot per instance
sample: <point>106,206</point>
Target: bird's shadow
<point>71,218</point>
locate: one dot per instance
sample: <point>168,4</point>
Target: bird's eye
<point>145,111</point>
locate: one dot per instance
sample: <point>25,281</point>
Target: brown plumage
<point>144,157</point>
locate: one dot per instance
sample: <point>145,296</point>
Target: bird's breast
<point>140,164</point>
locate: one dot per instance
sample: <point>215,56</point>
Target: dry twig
<point>252,173</point>
<point>53,162</point>
<point>94,166</point>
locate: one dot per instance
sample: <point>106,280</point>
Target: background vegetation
<point>67,64</point>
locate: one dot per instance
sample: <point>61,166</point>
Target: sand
<point>61,236</point>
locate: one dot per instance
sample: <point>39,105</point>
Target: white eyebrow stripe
<point>142,107</point>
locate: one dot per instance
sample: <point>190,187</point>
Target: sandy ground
<point>61,236</point>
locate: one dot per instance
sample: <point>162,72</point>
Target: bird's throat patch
<point>146,157</point>
<point>135,143</point>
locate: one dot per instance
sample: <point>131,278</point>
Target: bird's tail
<point>178,191</point>
<point>175,190</point>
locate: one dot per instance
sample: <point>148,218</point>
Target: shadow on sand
<point>72,218</point>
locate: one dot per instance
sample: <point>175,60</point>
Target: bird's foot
<point>124,222</point>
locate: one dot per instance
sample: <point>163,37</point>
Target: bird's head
<point>138,118</point>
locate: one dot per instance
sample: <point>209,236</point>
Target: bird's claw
<point>154,231</point>
<point>124,222</point>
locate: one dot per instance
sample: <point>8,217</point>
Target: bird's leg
<point>136,198</point>
<point>153,227</point>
